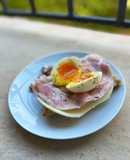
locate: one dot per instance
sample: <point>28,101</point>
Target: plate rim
<point>75,136</point>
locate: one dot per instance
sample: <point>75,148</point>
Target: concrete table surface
<point>21,41</point>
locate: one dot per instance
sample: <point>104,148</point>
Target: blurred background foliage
<point>106,8</point>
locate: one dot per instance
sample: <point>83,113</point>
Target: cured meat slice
<point>96,63</point>
<point>64,100</point>
<point>55,96</point>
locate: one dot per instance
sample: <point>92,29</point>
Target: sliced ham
<point>98,64</point>
<point>63,100</point>
<point>55,96</point>
<point>105,85</point>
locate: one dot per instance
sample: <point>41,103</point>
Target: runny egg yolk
<point>83,76</point>
<point>68,71</point>
<point>71,73</point>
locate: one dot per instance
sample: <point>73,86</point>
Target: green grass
<point>106,8</point>
<point>128,10</point>
<point>0,6</point>
<point>19,4</point>
<point>51,5</point>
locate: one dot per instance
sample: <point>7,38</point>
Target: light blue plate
<point>28,113</point>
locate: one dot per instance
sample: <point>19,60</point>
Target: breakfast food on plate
<point>75,85</point>
<point>85,82</point>
<point>66,70</point>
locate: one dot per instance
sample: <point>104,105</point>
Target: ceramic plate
<point>28,113</point>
